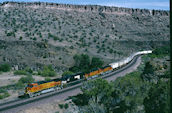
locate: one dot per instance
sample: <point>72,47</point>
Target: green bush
<point>85,64</point>
<point>3,94</point>
<point>20,72</point>
<point>67,73</point>
<point>47,72</point>
<point>61,106</point>
<point>28,79</point>
<point>47,79</point>
<point>26,71</point>
<point>66,106</point>
<point>160,52</point>
<point>5,67</point>
<point>19,85</point>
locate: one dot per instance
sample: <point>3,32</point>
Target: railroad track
<point>21,102</point>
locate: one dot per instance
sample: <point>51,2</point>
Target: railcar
<point>94,73</point>
<point>106,69</point>
<point>73,77</point>
<point>37,88</point>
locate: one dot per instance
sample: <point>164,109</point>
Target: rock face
<point>38,34</point>
<point>93,8</point>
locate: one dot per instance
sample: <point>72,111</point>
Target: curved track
<point>17,105</point>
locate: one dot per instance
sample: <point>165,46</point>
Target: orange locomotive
<point>98,72</point>
<point>38,88</point>
<point>93,73</point>
<point>107,69</point>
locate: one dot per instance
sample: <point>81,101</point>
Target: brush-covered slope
<point>38,34</point>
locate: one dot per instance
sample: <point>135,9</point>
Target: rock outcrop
<point>93,8</point>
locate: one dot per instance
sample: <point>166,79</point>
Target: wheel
<point>30,95</point>
<point>38,94</point>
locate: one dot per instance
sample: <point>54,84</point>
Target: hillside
<point>38,34</point>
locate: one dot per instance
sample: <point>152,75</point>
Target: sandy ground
<point>52,107</point>
<point>9,78</point>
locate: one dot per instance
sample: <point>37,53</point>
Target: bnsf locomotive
<point>41,87</point>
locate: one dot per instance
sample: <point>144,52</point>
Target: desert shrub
<point>26,71</point>
<point>20,38</point>
<point>48,71</point>
<point>61,106</point>
<point>84,63</point>
<point>66,106</point>
<point>28,79</point>
<point>160,52</point>
<point>158,99</point>
<point>19,85</point>
<point>47,78</point>
<point>5,67</point>
<point>4,94</point>
<point>20,72</point>
<point>67,73</point>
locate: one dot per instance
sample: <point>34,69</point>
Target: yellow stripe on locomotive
<point>35,87</point>
<point>96,72</point>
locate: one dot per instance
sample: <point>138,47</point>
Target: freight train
<point>41,87</point>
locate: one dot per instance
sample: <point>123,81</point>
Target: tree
<point>84,62</point>
<point>158,99</point>
<point>149,69</point>
<point>48,71</point>
<point>5,67</point>
<point>28,79</point>
<point>67,73</point>
<point>96,62</point>
<point>148,72</point>
<point>98,90</point>
<point>77,59</point>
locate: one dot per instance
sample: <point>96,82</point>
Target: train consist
<point>41,87</point>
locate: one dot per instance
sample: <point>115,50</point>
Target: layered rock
<point>93,8</point>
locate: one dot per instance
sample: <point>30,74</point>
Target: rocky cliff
<point>93,8</point>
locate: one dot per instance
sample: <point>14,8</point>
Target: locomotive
<point>41,87</point>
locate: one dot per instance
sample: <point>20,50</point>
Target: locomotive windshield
<point>30,85</point>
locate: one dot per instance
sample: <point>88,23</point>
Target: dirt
<point>9,78</point>
<point>51,107</point>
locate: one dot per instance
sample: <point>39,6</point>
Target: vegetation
<point>28,79</point>
<point>145,90</point>
<point>20,72</point>
<point>4,94</point>
<point>66,106</point>
<point>5,67</point>
<point>83,63</point>
<point>161,52</point>
<point>158,99</point>
<point>61,106</point>
<point>26,71</point>
<point>23,81</point>
<point>67,73</point>
<point>87,31</point>
<point>47,78</point>
<point>48,71</point>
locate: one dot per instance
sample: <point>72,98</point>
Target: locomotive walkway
<point>21,104</point>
